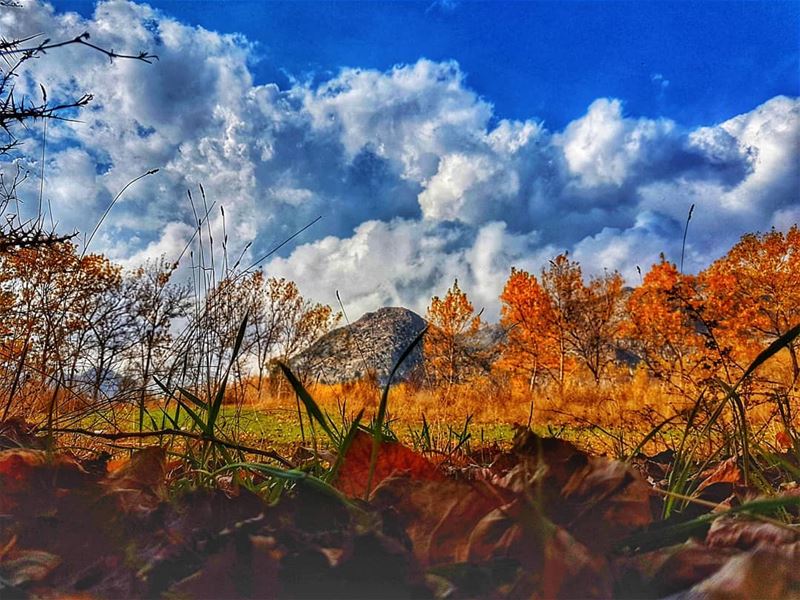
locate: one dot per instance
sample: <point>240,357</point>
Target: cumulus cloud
<point>400,263</point>
<point>417,179</point>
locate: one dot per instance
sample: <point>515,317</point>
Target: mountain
<point>371,345</point>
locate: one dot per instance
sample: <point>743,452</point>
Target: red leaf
<point>25,473</point>
<point>783,440</point>
<point>393,459</point>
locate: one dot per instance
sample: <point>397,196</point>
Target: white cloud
<point>403,262</point>
<point>416,178</point>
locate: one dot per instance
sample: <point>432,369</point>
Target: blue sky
<point>548,59</point>
<point>435,140</point>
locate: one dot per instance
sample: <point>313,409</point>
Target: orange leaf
<point>783,440</point>
<point>393,459</point>
<point>725,472</point>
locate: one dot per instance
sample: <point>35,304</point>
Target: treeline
<point>688,332</point>
<point>80,330</point>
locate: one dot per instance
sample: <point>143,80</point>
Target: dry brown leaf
<point>762,573</point>
<point>393,459</point>
<point>744,534</point>
<point>139,483</point>
<point>726,471</point>
<point>245,568</point>
<point>25,473</point>
<point>453,522</point>
<point>669,570</point>
<point>604,502</point>
<point>21,567</point>
<point>597,499</point>
<point>442,517</point>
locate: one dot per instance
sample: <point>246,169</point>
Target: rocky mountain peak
<point>369,346</point>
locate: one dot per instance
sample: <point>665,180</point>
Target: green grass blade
<point>744,436</point>
<point>295,475</point>
<point>780,343</point>
<point>651,434</point>
<point>312,407</point>
<point>651,539</point>
<point>385,396</point>
<point>345,445</point>
<point>377,433</point>
<point>194,399</point>
<point>213,412</point>
<point>194,416</point>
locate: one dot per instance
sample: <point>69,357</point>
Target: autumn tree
<point>528,318</point>
<point>300,321</point>
<point>576,323</point>
<point>451,349</point>
<point>595,336</point>
<point>663,328</point>
<point>54,309</point>
<point>563,283</point>
<point>752,295</point>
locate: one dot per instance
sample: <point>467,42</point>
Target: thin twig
<point>122,435</point>
<point>80,40</point>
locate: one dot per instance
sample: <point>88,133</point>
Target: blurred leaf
<point>392,459</point>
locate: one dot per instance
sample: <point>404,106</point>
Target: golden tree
<point>662,327</point>
<point>752,295</point>
<point>450,348</point>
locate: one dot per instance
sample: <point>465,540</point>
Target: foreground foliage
<point>542,519</point>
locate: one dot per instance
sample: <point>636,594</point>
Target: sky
<point>436,140</point>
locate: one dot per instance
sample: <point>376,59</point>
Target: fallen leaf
<point>726,471</point>
<point>452,522</point>
<point>744,534</point>
<point>246,567</point>
<point>26,474</point>
<point>597,499</point>
<point>762,573</point>
<point>21,567</point>
<point>668,570</point>
<point>139,483</point>
<point>783,440</point>
<point>393,459</point>
<point>15,432</point>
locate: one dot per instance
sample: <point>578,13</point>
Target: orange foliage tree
<point>585,319</point>
<point>661,328</point>
<point>528,318</point>
<point>450,348</point>
<point>753,295</point>
<point>54,311</point>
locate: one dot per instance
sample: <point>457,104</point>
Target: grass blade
<point>377,433</point>
<point>345,445</point>
<point>194,416</point>
<point>213,412</point>
<point>312,407</point>
<point>195,400</point>
<point>780,343</point>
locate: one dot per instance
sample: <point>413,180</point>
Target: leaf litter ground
<point>542,520</point>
